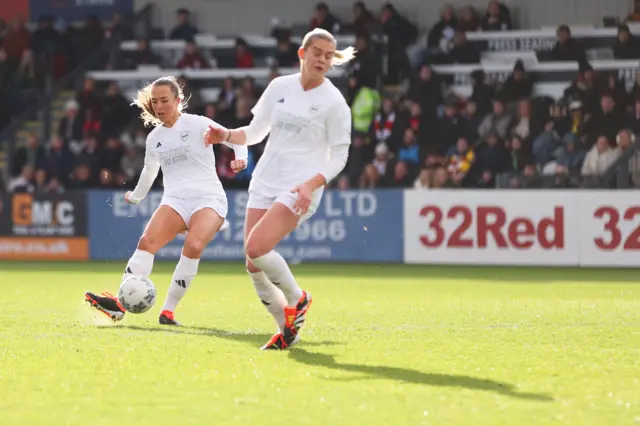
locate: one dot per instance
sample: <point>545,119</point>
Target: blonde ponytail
<point>344,56</point>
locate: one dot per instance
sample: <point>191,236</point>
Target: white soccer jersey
<point>188,166</point>
<point>303,126</point>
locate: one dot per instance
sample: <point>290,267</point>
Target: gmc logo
<point>491,222</point>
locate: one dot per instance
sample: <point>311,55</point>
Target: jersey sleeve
<point>260,125</point>
<point>148,174</point>
<point>339,140</point>
<point>241,152</point>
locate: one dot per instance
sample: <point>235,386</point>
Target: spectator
<point>17,43</point>
<point>363,20</point>
<point>45,38</point>
<point>106,179</point>
<point>70,126</point>
<point>482,92</point>
<point>463,52</point>
<point>460,159</point>
<point>400,34</point>
<point>525,124</point>
<point>185,30</point>
<point>40,181</point>
<point>441,35</point>
<point>31,154</point>
<point>409,152</point>
<point>365,104</point>
<point>90,101</point>
<point>615,87</point>
<point>493,159</point>
<point>633,122</point>
<point>626,141</point>
<point>567,48</point>
<point>6,71</point>
<point>586,88</point>
<point>606,122</point>
<point>116,112</point>
<point>192,58</point>
<point>627,45</point>
<point>243,56</point>
<point>600,157</point>
<point>572,156</point>
<point>379,170</point>
<point>450,127</point>
<point>498,122</point>
<point>498,17</point>
<point>59,160</point>
<point>286,54</point>
<point>518,86</point>
<point>81,178</point>
<point>423,181</point>
<point>634,92</point>
<point>472,118</point>
<point>440,178</point>
<point>359,155</point>
<point>195,100</point>
<point>90,38</point>
<point>364,66</point>
<point>112,155</point>
<point>23,182</point>
<point>91,155</point>
<point>144,55</point>
<point>384,123</point>
<point>323,18</point>
<point>520,158</point>
<point>469,20</point>
<point>249,90</point>
<point>560,123</point>
<point>227,96</point>
<point>427,90</point>
<point>402,177</point>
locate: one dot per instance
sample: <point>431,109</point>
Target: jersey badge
<point>314,109</point>
<point>184,136</point>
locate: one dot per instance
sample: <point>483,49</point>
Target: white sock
<point>185,272</point>
<point>278,272</point>
<point>140,263</point>
<point>271,297</point>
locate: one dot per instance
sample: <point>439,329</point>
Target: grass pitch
<point>384,345</point>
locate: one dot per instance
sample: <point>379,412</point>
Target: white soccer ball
<point>137,294</point>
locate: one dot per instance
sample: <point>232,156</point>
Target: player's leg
<point>271,296</point>
<point>277,222</point>
<point>203,225</point>
<point>163,227</point>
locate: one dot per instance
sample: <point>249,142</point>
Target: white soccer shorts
<point>288,198</point>
<point>187,207</point>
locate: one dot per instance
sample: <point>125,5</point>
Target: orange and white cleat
<point>294,318</point>
<point>167,318</point>
<point>278,343</point>
<point>108,304</point>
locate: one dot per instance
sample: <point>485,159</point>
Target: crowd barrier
<point>519,227</point>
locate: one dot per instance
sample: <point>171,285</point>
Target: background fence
<point>541,228</point>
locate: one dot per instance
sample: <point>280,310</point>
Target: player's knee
<point>251,268</point>
<point>193,248</point>
<point>147,243</point>
<point>254,248</point>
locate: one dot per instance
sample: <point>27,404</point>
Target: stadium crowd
<point>422,136</point>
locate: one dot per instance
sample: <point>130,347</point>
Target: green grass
<point>384,345</point>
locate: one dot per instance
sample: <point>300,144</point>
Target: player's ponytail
<point>341,56</point>
<point>143,100</point>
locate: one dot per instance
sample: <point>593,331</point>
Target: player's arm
<point>147,177</point>
<point>260,125</point>
<point>339,138</point>
<point>241,151</point>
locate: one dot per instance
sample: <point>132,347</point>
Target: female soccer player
<point>193,198</point>
<point>309,123</point>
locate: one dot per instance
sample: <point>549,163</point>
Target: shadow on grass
<point>255,339</point>
<point>406,375</point>
<point>300,355</point>
<point>380,271</point>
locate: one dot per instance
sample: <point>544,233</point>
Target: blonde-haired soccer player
<point>309,127</point>
<point>193,197</point>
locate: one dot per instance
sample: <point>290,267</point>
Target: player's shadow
<point>255,339</point>
<point>407,375</point>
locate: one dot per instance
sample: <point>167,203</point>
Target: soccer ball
<point>137,294</point>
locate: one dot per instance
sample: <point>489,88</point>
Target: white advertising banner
<point>521,227</point>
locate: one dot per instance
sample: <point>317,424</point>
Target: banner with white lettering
<point>491,227</point>
<point>349,226</point>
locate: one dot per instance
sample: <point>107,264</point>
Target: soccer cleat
<point>294,318</point>
<point>166,318</point>
<point>277,343</point>
<point>108,304</point>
